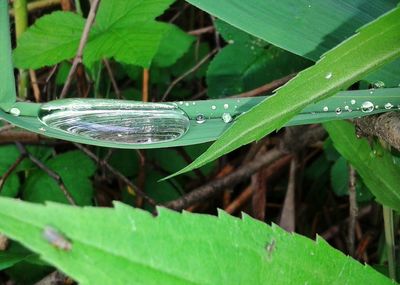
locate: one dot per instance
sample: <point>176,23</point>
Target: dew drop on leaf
<point>200,119</point>
<point>388,106</point>
<point>326,109</point>
<point>329,75</point>
<point>367,107</point>
<point>226,117</point>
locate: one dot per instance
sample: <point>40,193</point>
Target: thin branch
<point>288,216</point>
<point>82,44</point>
<point>34,84</point>
<point>201,31</point>
<point>10,170</point>
<point>112,78</point>
<point>48,171</point>
<point>269,87</point>
<point>145,85</point>
<point>177,15</point>
<point>353,209</point>
<point>212,188</point>
<point>193,69</point>
<point>240,200</point>
<point>116,173</point>
<point>36,5</point>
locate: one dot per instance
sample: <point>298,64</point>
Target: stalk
<point>389,239</point>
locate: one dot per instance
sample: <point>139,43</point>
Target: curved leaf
<point>374,45</point>
<point>128,246</point>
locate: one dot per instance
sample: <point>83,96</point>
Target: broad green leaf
<point>173,46</point>
<point>247,63</point>
<point>176,248</point>
<point>7,87</point>
<point>374,164</point>
<point>53,38</point>
<point>124,30</point>
<point>74,167</point>
<point>306,28</point>
<point>374,45</point>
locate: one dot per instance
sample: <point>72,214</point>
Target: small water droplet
<point>367,107</point>
<point>235,107</point>
<point>119,135</point>
<point>326,109</point>
<point>329,75</point>
<point>186,104</point>
<point>346,108</point>
<point>352,101</point>
<point>379,84</point>
<point>377,107</point>
<point>231,41</point>
<point>309,6</point>
<point>193,103</point>
<point>371,91</point>
<point>42,129</point>
<point>15,111</point>
<point>226,117</point>
<point>338,111</point>
<point>226,106</point>
<point>238,100</point>
<point>388,106</point>
<point>213,107</point>
<point>181,103</point>
<point>200,119</point>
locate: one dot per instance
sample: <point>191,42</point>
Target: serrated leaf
<point>74,167</point>
<point>176,248</point>
<point>124,30</point>
<point>374,45</point>
<point>306,28</point>
<point>375,165</point>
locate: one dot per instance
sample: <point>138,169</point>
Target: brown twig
<point>201,31</point>
<point>10,170</point>
<point>7,137</point>
<point>353,209</point>
<point>48,171</point>
<point>191,70</point>
<point>288,221</point>
<point>240,200</point>
<point>210,189</point>
<point>85,36</point>
<point>36,5</point>
<point>271,86</point>
<point>112,78</point>
<point>116,173</point>
<point>177,15</point>
<point>35,86</point>
<point>145,86</point>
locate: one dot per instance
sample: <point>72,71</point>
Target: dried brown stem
<point>10,170</point>
<point>78,58</point>
<point>145,86</point>
<point>353,210</point>
<point>35,86</point>
<point>112,78</point>
<point>201,31</point>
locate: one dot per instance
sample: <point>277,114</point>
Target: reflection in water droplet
<point>326,109</point>
<point>213,107</point>
<point>352,101</point>
<point>200,119</point>
<point>226,106</point>
<point>338,111</point>
<point>367,107</point>
<point>15,111</point>
<point>329,75</point>
<point>388,106</point>
<point>226,117</point>
<point>379,84</point>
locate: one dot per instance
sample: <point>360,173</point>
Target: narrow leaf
<point>374,45</point>
<point>374,164</point>
<point>129,246</point>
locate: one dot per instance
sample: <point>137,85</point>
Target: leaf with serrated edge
<point>374,45</point>
<point>375,165</point>
<point>128,246</point>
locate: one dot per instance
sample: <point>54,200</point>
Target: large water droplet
<point>379,84</point>
<point>338,111</point>
<point>388,106</point>
<point>200,119</point>
<point>126,122</point>
<point>328,75</point>
<point>326,109</point>
<point>15,112</point>
<point>367,107</point>
<point>226,117</point>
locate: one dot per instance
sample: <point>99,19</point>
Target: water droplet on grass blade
<point>213,107</point>
<point>127,122</point>
<point>226,117</point>
<point>226,106</point>
<point>200,119</point>
<point>367,107</point>
<point>338,111</point>
<point>352,101</point>
<point>328,75</point>
<point>326,109</point>
<point>379,84</point>
<point>388,106</point>
<point>15,112</point>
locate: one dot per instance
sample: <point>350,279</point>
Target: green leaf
<point>124,30</point>
<point>173,46</point>
<point>374,45</point>
<point>7,88</point>
<point>376,167</point>
<point>254,64</point>
<point>306,28</point>
<point>51,39</point>
<point>74,167</point>
<point>176,248</point>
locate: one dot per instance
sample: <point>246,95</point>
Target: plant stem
<point>389,238</point>
<point>21,24</point>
